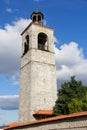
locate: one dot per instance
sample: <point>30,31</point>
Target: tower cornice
<point>36,25</point>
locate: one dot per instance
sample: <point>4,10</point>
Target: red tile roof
<point>13,124</point>
<point>44,112</point>
<point>79,114</point>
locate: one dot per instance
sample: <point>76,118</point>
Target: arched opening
<point>25,48</point>
<point>34,18</point>
<point>26,45</point>
<point>39,18</point>
<point>42,41</point>
<point>27,40</point>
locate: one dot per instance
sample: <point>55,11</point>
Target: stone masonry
<point>37,75</point>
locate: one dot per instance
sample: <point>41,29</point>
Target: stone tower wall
<point>38,75</point>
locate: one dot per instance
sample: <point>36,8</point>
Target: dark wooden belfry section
<point>37,17</point>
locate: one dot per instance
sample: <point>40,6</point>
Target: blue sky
<point>69,20</point>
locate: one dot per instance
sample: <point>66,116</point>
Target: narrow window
<point>34,18</point>
<point>27,41</point>
<point>39,18</point>
<point>26,45</point>
<point>25,48</point>
<point>42,41</point>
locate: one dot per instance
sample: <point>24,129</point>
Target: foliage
<point>75,105</point>
<point>72,97</point>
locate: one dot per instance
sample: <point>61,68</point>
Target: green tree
<point>70,97</point>
<point>84,102</point>
<point>75,105</point>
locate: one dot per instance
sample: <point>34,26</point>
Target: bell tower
<point>37,72</point>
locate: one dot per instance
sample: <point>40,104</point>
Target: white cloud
<point>15,78</point>
<point>10,47</point>
<point>69,57</point>
<point>44,22</point>
<point>55,40</point>
<point>9,10</point>
<point>70,61</point>
<point>9,102</point>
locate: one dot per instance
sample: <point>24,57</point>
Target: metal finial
<point>37,10</point>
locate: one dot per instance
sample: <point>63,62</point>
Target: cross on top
<point>37,10</point>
